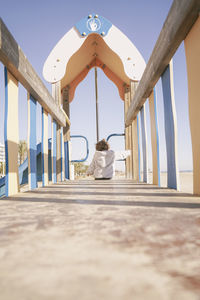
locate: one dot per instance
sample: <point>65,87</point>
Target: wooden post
<point>45,172</point>
<point>154,138</point>
<point>97,107</point>
<point>66,131</point>
<point>53,149</point>
<point>32,142</point>
<point>128,134</point>
<point>170,128</point>
<point>56,93</point>
<point>62,155</point>
<point>144,144</point>
<point>139,155</point>
<point>134,147</point>
<point>11,134</point>
<point>192,51</point>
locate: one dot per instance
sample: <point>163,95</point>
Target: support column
<point>11,134</point>
<point>45,173</point>
<point>154,138</point>
<point>138,134</point>
<point>56,94</point>
<point>66,132</point>
<point>192,50</point>
<point>128,133</point>
<point>134,127</point>
<point>53,150</point>
<point>58,153</point>
<point>170,128</point>
<point>144,144</point>
<point>32,143</point>
<point>62,156</point>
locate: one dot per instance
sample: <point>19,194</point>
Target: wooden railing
<point>182,24</point>
<point>18,69</point>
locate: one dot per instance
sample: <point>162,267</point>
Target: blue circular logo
<point>93,24</point>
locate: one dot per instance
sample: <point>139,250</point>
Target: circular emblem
<point>93,24</point>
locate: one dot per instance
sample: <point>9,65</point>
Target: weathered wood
<point>180,20</point>
<point>134,146</point>
<point>53,149</point>
<point>66,107</point>
<point>11,136</point>
<point>45,167</point>
<point>192,51</point>
<point>127,129</point>
<point>154,138</point>
<point>144,144</point>
<point>18,65</point>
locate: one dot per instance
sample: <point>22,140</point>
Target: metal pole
<point>97,111</point>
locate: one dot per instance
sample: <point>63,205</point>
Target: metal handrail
<point>116,134</point>
<point>87,148</point>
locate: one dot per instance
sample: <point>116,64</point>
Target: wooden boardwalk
<point>100,240</point>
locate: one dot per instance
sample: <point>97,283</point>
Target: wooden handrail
<point>16,62</point>
<point>181,17</point>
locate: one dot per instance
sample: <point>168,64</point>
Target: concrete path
<point>105,240</point>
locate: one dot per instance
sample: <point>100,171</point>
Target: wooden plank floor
<point>100,240</point>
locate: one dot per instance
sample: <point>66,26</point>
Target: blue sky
<point>38,25</point>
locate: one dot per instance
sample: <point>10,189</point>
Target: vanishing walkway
<point>100,240</point>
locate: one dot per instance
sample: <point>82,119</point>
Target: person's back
<point>103,163</point>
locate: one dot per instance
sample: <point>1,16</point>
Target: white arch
<point>56,64</point>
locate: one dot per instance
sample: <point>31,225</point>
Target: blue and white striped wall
<point>11,139</point>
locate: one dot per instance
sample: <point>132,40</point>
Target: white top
<point>103,163</point>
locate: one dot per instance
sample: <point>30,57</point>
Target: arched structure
<point>93,42</point>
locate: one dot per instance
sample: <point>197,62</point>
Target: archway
<point>93,42</point>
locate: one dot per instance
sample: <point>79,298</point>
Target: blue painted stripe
<point>157,135</point>
<point>33,144</point>
<point>42,144</point>
<point>54,151</point>
<point>144,145</point>
<point>169,129</point>
<point>5,130</point>
<point>138,134</point>
<point>61,154</point>
<point>66,149</point>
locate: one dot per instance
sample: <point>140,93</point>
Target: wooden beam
<point>192,50</point>
<point>11,136</point>
<point>181,17</point>
<point>144,144</point>
<point>18,65</point>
